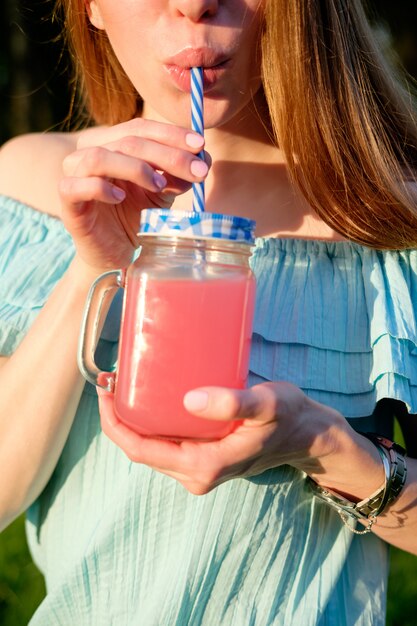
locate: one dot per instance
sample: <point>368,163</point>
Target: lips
<point>198,57</point>
<point>213,62</point>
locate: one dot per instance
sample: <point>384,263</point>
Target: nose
<point>195,10</point>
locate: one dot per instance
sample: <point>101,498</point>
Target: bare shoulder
<point>31,167</point>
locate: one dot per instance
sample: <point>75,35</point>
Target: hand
<point>114,174</point>
<point>281,425</point>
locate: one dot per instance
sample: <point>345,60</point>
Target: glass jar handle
<point>99,298</point>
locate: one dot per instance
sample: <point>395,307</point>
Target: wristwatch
<point>398,467</point>
<point>395,467</point>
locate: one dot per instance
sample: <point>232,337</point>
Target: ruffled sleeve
<point>338,320</point>
<point>35,251</point>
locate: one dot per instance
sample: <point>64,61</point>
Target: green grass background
<point>22,587</point>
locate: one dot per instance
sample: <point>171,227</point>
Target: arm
<point>40,382</point>
<point>33,430</point>
<point>41,387</point>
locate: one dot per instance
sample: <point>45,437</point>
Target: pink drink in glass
<point>179,334</point>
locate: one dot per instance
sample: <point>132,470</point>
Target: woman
<point>334,198</point>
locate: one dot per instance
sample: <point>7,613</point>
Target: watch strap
<point>395,468</point>
<point>398,466</point>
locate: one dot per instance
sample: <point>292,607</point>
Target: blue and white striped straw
<point>197,124</point>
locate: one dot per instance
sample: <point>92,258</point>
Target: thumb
<point>172,188</point>
<point>220,403</point>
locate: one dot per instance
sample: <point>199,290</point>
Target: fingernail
<point>196,400</point>
<point>159,181</point>
<point>194,141</point>
<point>118,193</point>
<point>199,168</point>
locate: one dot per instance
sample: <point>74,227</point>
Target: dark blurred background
<point>34,83</point>
<point>34,87</point>
<point>35,96</point>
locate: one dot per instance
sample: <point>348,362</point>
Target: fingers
<point>162,160</point>
<point>192,464</point>
<point>78,191</point>
<point>101,164</point>
<point>156,452</point>
<point>160,132</point>
<point>198,466</point>
<point>131,160</point>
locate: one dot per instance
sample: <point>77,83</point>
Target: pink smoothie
<point>187,334</point>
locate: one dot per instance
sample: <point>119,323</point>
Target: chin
<point>217,112</point>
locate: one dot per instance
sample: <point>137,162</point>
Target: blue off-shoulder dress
<point>122,545</point>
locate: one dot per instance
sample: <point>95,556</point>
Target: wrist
<point>81,274</point>
<point>347,462</point>
<point>368,509</point>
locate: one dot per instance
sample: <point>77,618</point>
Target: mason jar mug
<point>186,322</point>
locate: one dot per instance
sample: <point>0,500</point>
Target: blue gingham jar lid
<point>202,225</point>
